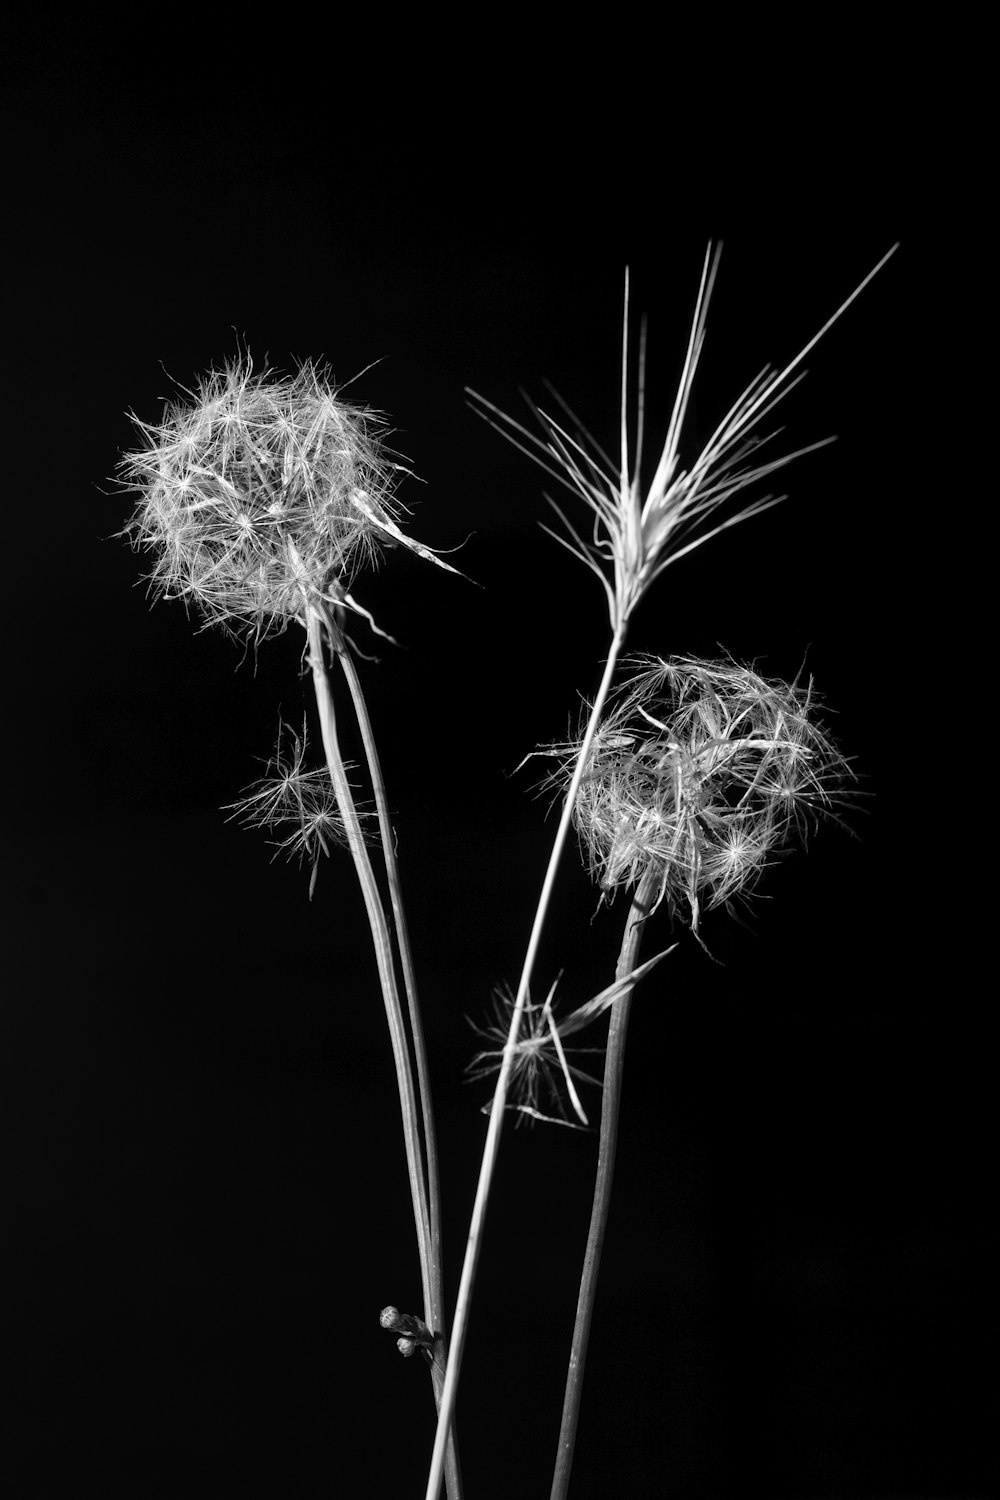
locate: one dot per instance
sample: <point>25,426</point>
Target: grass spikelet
<point>636,531</point>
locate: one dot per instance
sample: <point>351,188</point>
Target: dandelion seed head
<point>703,769</point>
<point>261,495</point>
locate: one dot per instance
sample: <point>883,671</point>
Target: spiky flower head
<point>260,495</point>
<point>703,769</point>
<point>635,532</point>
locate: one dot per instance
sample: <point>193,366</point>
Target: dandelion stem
<point>434,1312</point>
<point>382,943</point>
<point>492,1147</point>
<point>614,1068</point>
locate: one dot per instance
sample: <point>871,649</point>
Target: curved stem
<point>492,1147</point>
<point>614,1069</point>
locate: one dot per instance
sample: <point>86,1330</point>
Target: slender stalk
<point>492,1147</point>
<point>614,1069</point>
<point>434,1312</point>
<point>452,1467</point>
<point>315,626</point>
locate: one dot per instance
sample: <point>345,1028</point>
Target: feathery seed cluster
<point>261,496</point>
<point>301,803</point>
<point>705,769</point>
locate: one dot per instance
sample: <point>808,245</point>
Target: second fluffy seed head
<point>704,769</point>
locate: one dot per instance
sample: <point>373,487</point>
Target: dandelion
<point>261,497</point>
<point>698,772</point>
<point>701,770</point>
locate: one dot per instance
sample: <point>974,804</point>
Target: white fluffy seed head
<point>260,495</point>
<point>703,769</point>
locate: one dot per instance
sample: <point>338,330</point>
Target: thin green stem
<point>315,626</point>
<point>492,1147</point>
<point>614,1069</point>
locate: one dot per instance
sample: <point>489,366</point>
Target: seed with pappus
<point>301,805</point>
<point>705,769</point>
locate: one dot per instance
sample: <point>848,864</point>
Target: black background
<point>204,1189</point>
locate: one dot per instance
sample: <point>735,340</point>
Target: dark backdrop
<point>204,1189</point>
